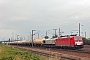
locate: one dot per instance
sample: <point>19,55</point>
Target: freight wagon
<point>64,42</point>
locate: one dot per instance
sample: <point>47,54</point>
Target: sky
<point>20,17</point>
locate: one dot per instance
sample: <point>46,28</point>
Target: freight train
<point>63,42</point>
<point>86,42</point>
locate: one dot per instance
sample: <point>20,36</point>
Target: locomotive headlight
<point>78,43</point>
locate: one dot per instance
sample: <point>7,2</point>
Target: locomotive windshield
<point>77,38</point>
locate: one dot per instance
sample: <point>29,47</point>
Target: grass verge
<point>9,53</point>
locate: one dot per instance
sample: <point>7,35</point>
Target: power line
<point>77,12</point>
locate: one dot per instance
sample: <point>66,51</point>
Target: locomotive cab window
<point>76,38</point>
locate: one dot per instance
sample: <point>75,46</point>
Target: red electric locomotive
<point>69,42</point>
<point>64,42</point>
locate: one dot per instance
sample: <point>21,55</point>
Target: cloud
<point>21,16</point>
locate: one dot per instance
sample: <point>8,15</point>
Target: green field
<point>9,53</point>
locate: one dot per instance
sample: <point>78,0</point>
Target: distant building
<point>0,42</point>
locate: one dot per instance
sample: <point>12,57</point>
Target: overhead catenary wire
<point>74,14</point>
<point>77,12</point>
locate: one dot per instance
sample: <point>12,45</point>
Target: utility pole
<point>12,36</point>
<point>46,33</point>
<point>32,37</point>
<point>85,34</point>
<point>55,31</point>
<point>21,38</point>
<point>17,39</point>
<point>59,32</point>
<point>38,35</point>
<point>28,37</point>
<point>79,29</point>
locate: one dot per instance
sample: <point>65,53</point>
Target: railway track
<point>58,53</point>
<point>79,51</point>
<point>82,51</point>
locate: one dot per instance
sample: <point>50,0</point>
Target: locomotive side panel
<point>63,42</point>
<point>72,41</point>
